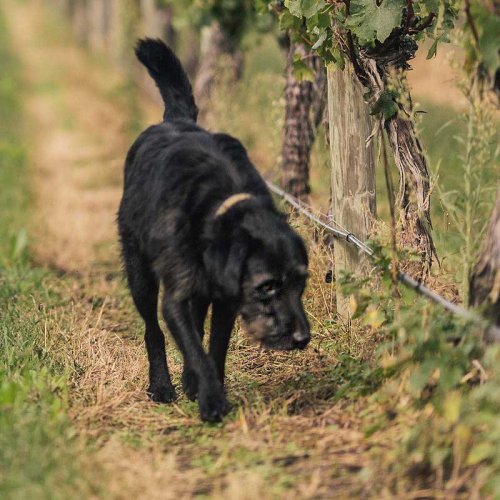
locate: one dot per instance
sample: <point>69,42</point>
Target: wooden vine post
<point>353,202</point>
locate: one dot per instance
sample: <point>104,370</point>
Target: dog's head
<point>263,265</point>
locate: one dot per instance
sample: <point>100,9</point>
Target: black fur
<point>166,70</point>
<point>246,261</point>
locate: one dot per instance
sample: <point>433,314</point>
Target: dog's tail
<point>170,78</point>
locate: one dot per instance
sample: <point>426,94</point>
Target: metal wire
<point>492,332</point>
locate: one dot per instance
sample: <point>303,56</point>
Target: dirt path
<point>285,436</point>
<point>78,145</point>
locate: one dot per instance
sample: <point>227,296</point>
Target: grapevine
<point>379,38</point>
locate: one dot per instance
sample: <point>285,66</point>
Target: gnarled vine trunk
<point>414,188</point>
<point>485,279</point>
<point>414,185</point>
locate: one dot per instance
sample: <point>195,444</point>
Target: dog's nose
<point>301,338</point>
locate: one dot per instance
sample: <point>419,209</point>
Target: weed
<point>466,207</point>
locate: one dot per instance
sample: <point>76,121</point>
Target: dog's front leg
<point>199,307</point>
<point>223,316</point>
<point>211,398</point>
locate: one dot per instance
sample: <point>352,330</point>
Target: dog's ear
<point>225,263</point>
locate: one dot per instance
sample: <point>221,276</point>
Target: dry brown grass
<point>282,428</point>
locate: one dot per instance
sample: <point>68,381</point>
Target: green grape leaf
<point>318,22</point>
<point>371,22</point>
<point>294,6</point>
<point>337,58</point>
<point>304,8</point>
<point>289,22</point>
<point>433,48</point>
<point>386,105</point>
<point>320,40</point>
<point>312,7</point>
<point>426,6</point>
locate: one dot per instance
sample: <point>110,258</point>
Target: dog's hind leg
<point>211,398</point>
<point>199,308</point>
<point>223,316</point>
<point>144,288</point>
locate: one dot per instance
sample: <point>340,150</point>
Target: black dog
<point>197,217</point>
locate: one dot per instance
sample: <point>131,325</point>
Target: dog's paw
<point>162,393</point>
<point>190,383</point>
<point>213,405</point>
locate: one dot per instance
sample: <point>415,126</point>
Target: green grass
<point>14,200</point>
<point>37,448</point>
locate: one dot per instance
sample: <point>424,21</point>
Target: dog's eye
<point>268,289</point>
